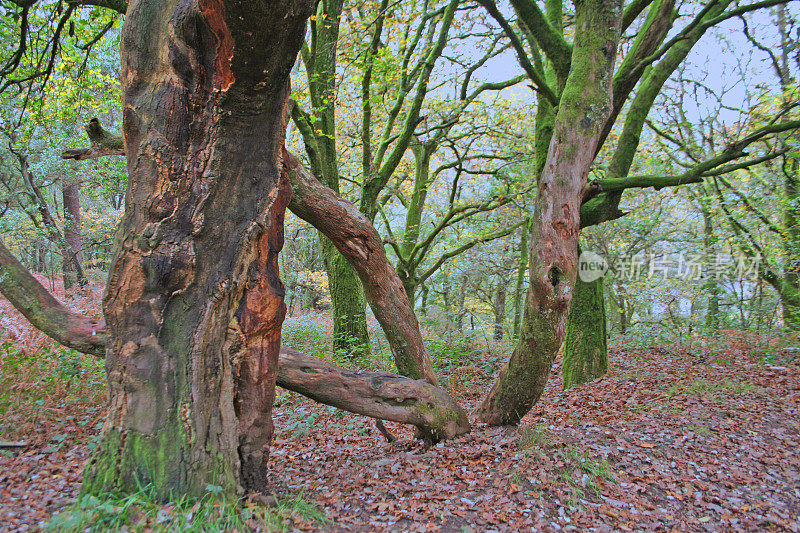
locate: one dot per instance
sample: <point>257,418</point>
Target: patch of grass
<point>307,336</point>
<point>583,471</point>
<point>701,429</point>
<point>138,512</point>
<point>712,389</point>
<point>534,436</point>
<point>54,390</point>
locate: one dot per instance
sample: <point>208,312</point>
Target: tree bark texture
<point>584,107</point>
<point>193,304</point>
<point>585,345</point>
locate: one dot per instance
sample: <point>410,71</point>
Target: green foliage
<point>212,512</point>
<point>306,335</point>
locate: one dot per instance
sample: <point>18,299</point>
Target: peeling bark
<point>205,87</point>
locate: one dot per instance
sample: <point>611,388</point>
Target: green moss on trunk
<point>350,333</point>
<point>585,346</point>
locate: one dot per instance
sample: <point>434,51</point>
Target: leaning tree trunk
<point>358,241</point>
<point>585,346</point>
<point>204,88</point>
<point>584,107</point>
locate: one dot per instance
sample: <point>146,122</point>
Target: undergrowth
<point>51,392</point>
<point>212,512</point>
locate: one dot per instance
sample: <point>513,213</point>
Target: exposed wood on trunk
<point>377,394</point>
<point>204,95</point>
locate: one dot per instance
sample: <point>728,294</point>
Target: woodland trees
<point>194,302</point>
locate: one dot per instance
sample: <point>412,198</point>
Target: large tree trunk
<point>584,107</point>
<point>193,305</point>
<point>585,346</point>
<point>71,193</point>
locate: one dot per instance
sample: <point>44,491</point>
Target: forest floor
<point>701,437</point>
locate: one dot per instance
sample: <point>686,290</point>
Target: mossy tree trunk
<point>585,345</point>
<point>584,107</point>
<point>194,306</point>
<point>350,333</point>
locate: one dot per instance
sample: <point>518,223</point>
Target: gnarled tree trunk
<point>205,87</point>
<point>584,107</point>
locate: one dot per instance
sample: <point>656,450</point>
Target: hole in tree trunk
<point>554,275</point>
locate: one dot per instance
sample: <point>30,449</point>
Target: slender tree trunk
<point>462,296</point>
<point>53,233</point>
<point>194,305</point>
<point>71,192</point>
<point>585,346</point>
<point>499,308</point>
<point>711,282</point>
<point>584,107</point>
<point>519,292</point>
